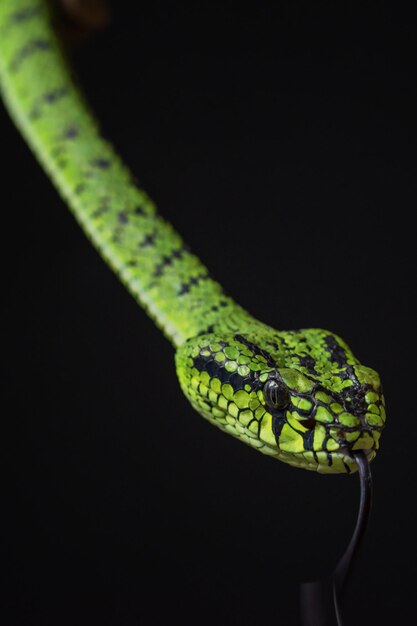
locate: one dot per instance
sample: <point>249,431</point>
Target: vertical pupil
<point>276,394</point>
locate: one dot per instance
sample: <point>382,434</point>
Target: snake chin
<point>345,457</point>
<point>339,461</point>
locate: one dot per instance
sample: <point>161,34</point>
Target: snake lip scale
<point>299,396</point>
<point>346,453</point>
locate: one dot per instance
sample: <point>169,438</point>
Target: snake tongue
<point>320,599</point>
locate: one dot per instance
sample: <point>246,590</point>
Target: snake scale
<point>300,396</point>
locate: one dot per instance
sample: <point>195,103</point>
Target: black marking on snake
<point>278,421</point>
<point>273,344</point>
<point>301,338</point>
<point>185,287</point>
<point>56,94</point>
<point>148,241</point>
<point>349,372</point>
<point>337,352</point>
<point>309,363</point>
<point>354,398</point>
<point>159,270</point>
<point>256,350</point>
<point>71,132</point>
<point>122,218</point>
<point>238,382</point>
<point>207,331</point>
<point>102,164</point>
<point>212,367</point>
<point>138,210</point>
<point>308,438</point>
<point>200,363</point>
<point>48,98</point>
<point>217,370</point>
<point>36,45</point>
<point>25,14</point>
<point>285,344</point>
<point>167,260</point>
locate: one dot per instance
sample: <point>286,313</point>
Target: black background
<point>280,143</point>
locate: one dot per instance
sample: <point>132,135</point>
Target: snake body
<point>300,396</point>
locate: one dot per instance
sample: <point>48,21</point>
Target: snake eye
<point>276,394</point>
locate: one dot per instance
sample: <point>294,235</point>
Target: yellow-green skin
<point>224,357</point>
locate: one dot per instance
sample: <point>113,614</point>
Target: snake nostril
<point>309,423</point>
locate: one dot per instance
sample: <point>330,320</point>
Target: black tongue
<point>319,600</point>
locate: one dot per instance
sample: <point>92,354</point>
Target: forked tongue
<point>319,600</point>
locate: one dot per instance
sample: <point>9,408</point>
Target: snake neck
<point>149,256</point>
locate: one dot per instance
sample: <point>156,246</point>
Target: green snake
<point>299,396</point>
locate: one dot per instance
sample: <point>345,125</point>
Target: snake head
<point>299,396</point>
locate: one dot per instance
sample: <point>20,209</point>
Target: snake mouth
<point>346,456</point>
<point>338,461</point>
<point>349,452</point>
